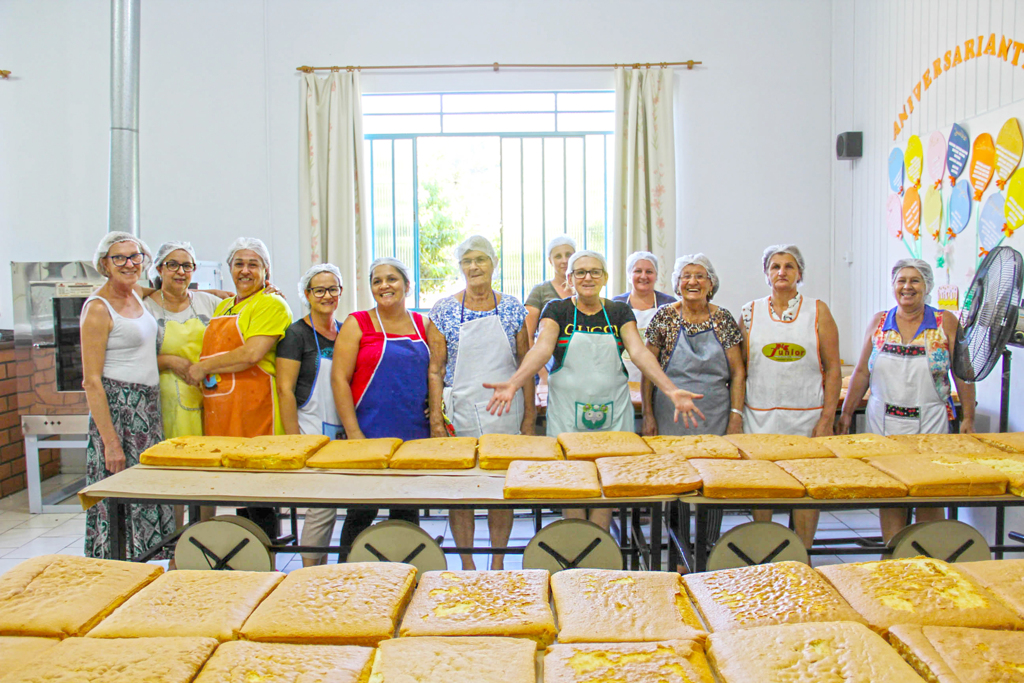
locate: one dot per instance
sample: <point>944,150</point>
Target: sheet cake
<point>778,446</point>
<point>766,595</point>
<point>1004,578</point>
<point>1010,464</point>
<point>242,662</point>
<point>60,595</point>
<point>594,445</point>
<point>839,652</point>
<point>353,603</point>
<point>603,606</point>
<point>512,603</point>
<point>693,446</point>
<point>961,655</point>
<point>16,652</point>
<point>863,445</point>
<point>448,453</point>
<point>200,603</point>
<point>941,475</point>
<point>449,660</point>
<point>278,452</point>
<point>646,475</point>
<point>355,454</point>
<point>1011,442</point>
<point>498,450</point>
<point>190,451</point>
<point>746,479</point>
<point>561,479</point>
<point>918,590</point>
<point>668,661</point>
<point>843,478</point>
<point>947,444</point>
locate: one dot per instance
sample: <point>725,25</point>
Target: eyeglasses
<point>321,292</point>
<point>183,267</point>
<point>695,276</point>
<point>479,262</point>
<point>595,273</point>
<point>120,259</point>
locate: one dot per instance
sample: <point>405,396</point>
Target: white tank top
<point>131,347</point>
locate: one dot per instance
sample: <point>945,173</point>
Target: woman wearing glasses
<point>122,387</point>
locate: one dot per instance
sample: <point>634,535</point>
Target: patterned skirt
<point>135,412</point>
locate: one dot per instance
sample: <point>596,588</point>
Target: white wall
<point>219,112</point>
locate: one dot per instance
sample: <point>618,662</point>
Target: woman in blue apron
<point>379,378</point>
<point>304,359</point>
<point>584,337</point>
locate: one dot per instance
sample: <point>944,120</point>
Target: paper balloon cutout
<point>912,212</point>
<point>936,157</point>
<point>894,216</point>
<point>1013,209</point>
<point>896,170</point>
<point>1009,146</point>
<point>956,152</point>
<point>932,212</point>
<point>990,223</point>
<point>983,162</point>
<point>959,209</point>
<point>914,160</point>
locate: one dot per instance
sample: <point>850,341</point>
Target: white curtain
<point>333,225</point>
<point>644,200</point>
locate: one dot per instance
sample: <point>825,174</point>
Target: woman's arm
<point>737,388</point>
<point>287,377</point>
<point>534,360</point>
<point>859,381</point>
<point>965,390</point>
<point>650,425</point>
<point>435,379</point>
<point>532,318</point>
<point>244,357</point>
<point>529,424</point>
<point>176,364</point>
<point>828,345</point>
<point>96,326</point>
<point>649,366</point>
<point>346,349</point>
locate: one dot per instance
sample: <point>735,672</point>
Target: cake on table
<point>843,478</point>
<point>594,445</point>
<point>16,652</point>
<point>448,660</point>
<point>693,446</point>
<point>933,474</point>
<point>1009,464</point>
<point>863,445</point>
<point>952,654</point>
<point>497,451</point>
<point>190,451</point>
<point>559,479</point>
<point>646,475</point>
<point>669,661</point>
<point>947,444</point>
<point>1011,442</point>
<point>1004,578</point>
<point>355,454</point>
<point>778,446</point>
<point>243,662</point>
<point>448,453</point>
<point>746,479</point>
<point>277,452</point>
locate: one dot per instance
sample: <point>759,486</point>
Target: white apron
<point>785,391</point>
<point>484,356</point>
<point>589,392</point>
<point>643,319</point>
<point>318,414</point>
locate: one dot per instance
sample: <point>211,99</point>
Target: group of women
<point>236,364</point>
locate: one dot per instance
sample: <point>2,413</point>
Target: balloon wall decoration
<point>894,216</point>
<point>932,213</point>
<point>896,170</point>
<point>936,158</point>
<point>914,160</point>
<point>959,209</point>
<point>957,150</point>
<point>983,162</point>
<point>1009,146</point>
<point>1013,208</point>
<point>912,213</point>
<point>990,224</point>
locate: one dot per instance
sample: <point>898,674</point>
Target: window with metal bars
<point>518,168</point>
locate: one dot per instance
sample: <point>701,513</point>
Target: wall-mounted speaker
<point>849,145</point>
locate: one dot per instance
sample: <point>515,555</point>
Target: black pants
<point>358,520</point>
<point>265,517</point>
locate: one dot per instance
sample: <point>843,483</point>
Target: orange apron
<point>235,403</point>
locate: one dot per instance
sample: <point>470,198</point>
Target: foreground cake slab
<point>355,454</point>
<point>863,445</point>
<point>766,595</point>
<point>928,474</point>
<point>60,595</point>
<point>594,445</point>
<point>693,446</point>
<point>961,655</point>
<point>670,661</point>
<point>279,452</point>
<point>646,475</point>
<point>449,453</point>
<point>497,451</point>
<point>482,603</point>
<point>16,652</point>
<point>190,451</point>
<point>447,660</point>
<point>353,603</point>
<point>184,602</point>
<point>558,479</point>
<point>919,590</point>
<point>746,479</point>
<point>1004,578</point>
<point>1012,442</point>
<point>1009,464</point>
<point>839,652</point>
<point>600,606</point>
<point>778,446</point>
<point>242,662</point>
<point>843,478</point>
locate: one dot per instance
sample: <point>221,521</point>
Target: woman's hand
<point>113,456</point>
<point>967,425</point>
<point>354,434</point>
<point>195,374</point>
<point>271,289</point>
<point>501,401</point>
<point>824,426</point>
<point>735,424</point>
<point>437,431</point>
<point>650,426</point>
<point>683,402</point>
<point>844,424</point>
<point>179,366</point>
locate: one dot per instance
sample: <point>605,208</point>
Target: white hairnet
<point>920,266</point>
<point>698,259</point>
<point>635,258</point>
<point>559,241</point>
<point>252,244</point>
<point>790,249</point>
<point>313,271</point>
<point>397,265</point>
<point>109,240</point>
<point>585,253</point>
<point>476,243</point>
<point>164,251</point>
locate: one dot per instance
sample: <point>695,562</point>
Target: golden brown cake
<point>1004,578</point>
<point>512,603</point>
<point>646,475</point>
<point>1010,464</point>
<point>746,479</point>
<point>121,660</point>
<point>448,453</point>
<point>842,478</point>
<point>594,445</point>
<point>837,652</point>
<point>60,595</point>
<point>693,446</point>
<point>918,590</point>
<point>947,444</point>
<point>941,475</point>
<point>561,479</point>
<point>200,603</point>
<point>863,445</point>
<point>603,606</point>
<point>778,446</point>
<point>766,595</point>
<point>355,454</point>
<point>448,660</point>
<point>498,450</point>
<point>668,661</point>
<point>353,603</point>
<point>190,451</point>
<point>242,662</point>
<point>279,452</point>
<point>16,652</point>
<point>1011,442</point>
<point>949,654</point>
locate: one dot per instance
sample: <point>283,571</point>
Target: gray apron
<point>697,364</point>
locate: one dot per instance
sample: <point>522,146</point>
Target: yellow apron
<point>181,403</point>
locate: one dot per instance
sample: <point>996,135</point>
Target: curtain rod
<point>689,64</point>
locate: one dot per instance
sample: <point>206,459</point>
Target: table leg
<point>32,477</point>
<point>116,529</point>
<point>657,510</point>
<point>634,515</point>
<point>1000,529</point>
<point>700,545</point>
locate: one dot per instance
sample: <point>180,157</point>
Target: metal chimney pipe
<point>123,206</point>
